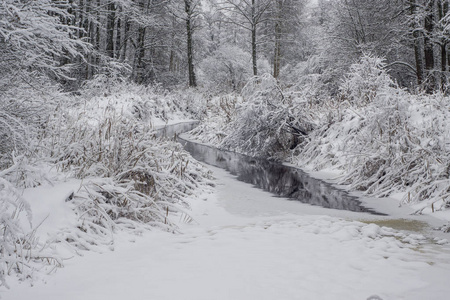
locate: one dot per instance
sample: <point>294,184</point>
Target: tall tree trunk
<point>126,33</point>
<point>91,35</point>
<point>172,46</point>
<point>192,79</point>
<point>429,46</point>
<point>443,10</point>
<point>81,17</point>
<point>68,20</point>
<point>278,32</point>
<point>418,45</point>
<point>138,65</point>
<point>118,35</point>
<point>96,61</point>
<point>110,29</point>
<point>253,29</point>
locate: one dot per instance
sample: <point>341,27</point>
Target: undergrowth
<point>131,180</point>
<point>383,139</point>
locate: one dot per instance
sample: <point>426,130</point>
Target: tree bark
<point>126,32</point>
<point>278,32</point>
<point>443,10</point>
<point>172,46</point>
<point>253,29</point>
<point>138,66</point>
<point>118,36</point>
<point>188,9</point>
<point>110,29</point>
<point>418,45</point>
<point>429,47</point>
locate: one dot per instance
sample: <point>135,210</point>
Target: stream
<point>278,179</point>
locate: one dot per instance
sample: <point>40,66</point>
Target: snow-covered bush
<point>227,70</point>
<point>365,80</point>
<point>131,177</point>
<point>145,102</point>
<point>21,253</point>
<point>383,138</point>
<point>23,112</point>
<point>220,111</point>
<point>13,134</point>
<point>268,122</point>
<point>193,102</point>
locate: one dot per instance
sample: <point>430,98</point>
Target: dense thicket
<point>171,42</point>
<point>411,35</point>
<point>381,138</point>
<point>148,41</point>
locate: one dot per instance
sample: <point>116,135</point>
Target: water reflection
<point>170,131</point>
<point>283,181</point>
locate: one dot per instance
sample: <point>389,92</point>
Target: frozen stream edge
<point>398,217</point>
<point>246,244</point>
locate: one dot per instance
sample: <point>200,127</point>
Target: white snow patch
<point>50,209</point>
<point>246,244</point>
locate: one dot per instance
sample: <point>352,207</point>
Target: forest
<point>357,87</point>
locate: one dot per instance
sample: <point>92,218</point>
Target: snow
<point>247,244</point>
<point>50,212</point>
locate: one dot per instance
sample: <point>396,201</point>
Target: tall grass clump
<point>383,138</point>
<point>131,180</point>
<point>23,116</point>
<point>130,177</point>
<point>264,120</point>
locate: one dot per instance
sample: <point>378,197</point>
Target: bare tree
<point>248,14</point>
<point>285,20</point>
<point>190,9</point>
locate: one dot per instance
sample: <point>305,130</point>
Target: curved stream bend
<point>283,181</point>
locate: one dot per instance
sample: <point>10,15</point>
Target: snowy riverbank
<point>246,244</point>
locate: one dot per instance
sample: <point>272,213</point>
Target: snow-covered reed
<point>131,176</point>
<point>21,252</point>
<point>131,180</point>
<point>263,121</point>
<point>384,139</point>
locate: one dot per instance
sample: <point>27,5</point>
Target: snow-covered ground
<point>246,244</point>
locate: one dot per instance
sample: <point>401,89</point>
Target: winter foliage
<point>131,179</point>
<point>382,138</point>
<point>267,121</point>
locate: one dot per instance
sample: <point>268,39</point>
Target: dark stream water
<point>283,181</point>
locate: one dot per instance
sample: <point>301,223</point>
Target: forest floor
<point>243,243</point>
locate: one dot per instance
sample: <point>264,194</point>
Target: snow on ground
<point>390,205</point>
<point>48,206</point>
<point>246,244</point>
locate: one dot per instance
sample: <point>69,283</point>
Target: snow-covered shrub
<point>132,177</point>
<point>220,111</point>
<point>268,122</point>
<point>227,70</point>
<point>131,180</point>
<point>25,107</point>
<point>365,80</point>
<point>193,102</point>
<point>21,252</point>
<point>13,134</point>
<point>23,113</point>
<point>384,139</point>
